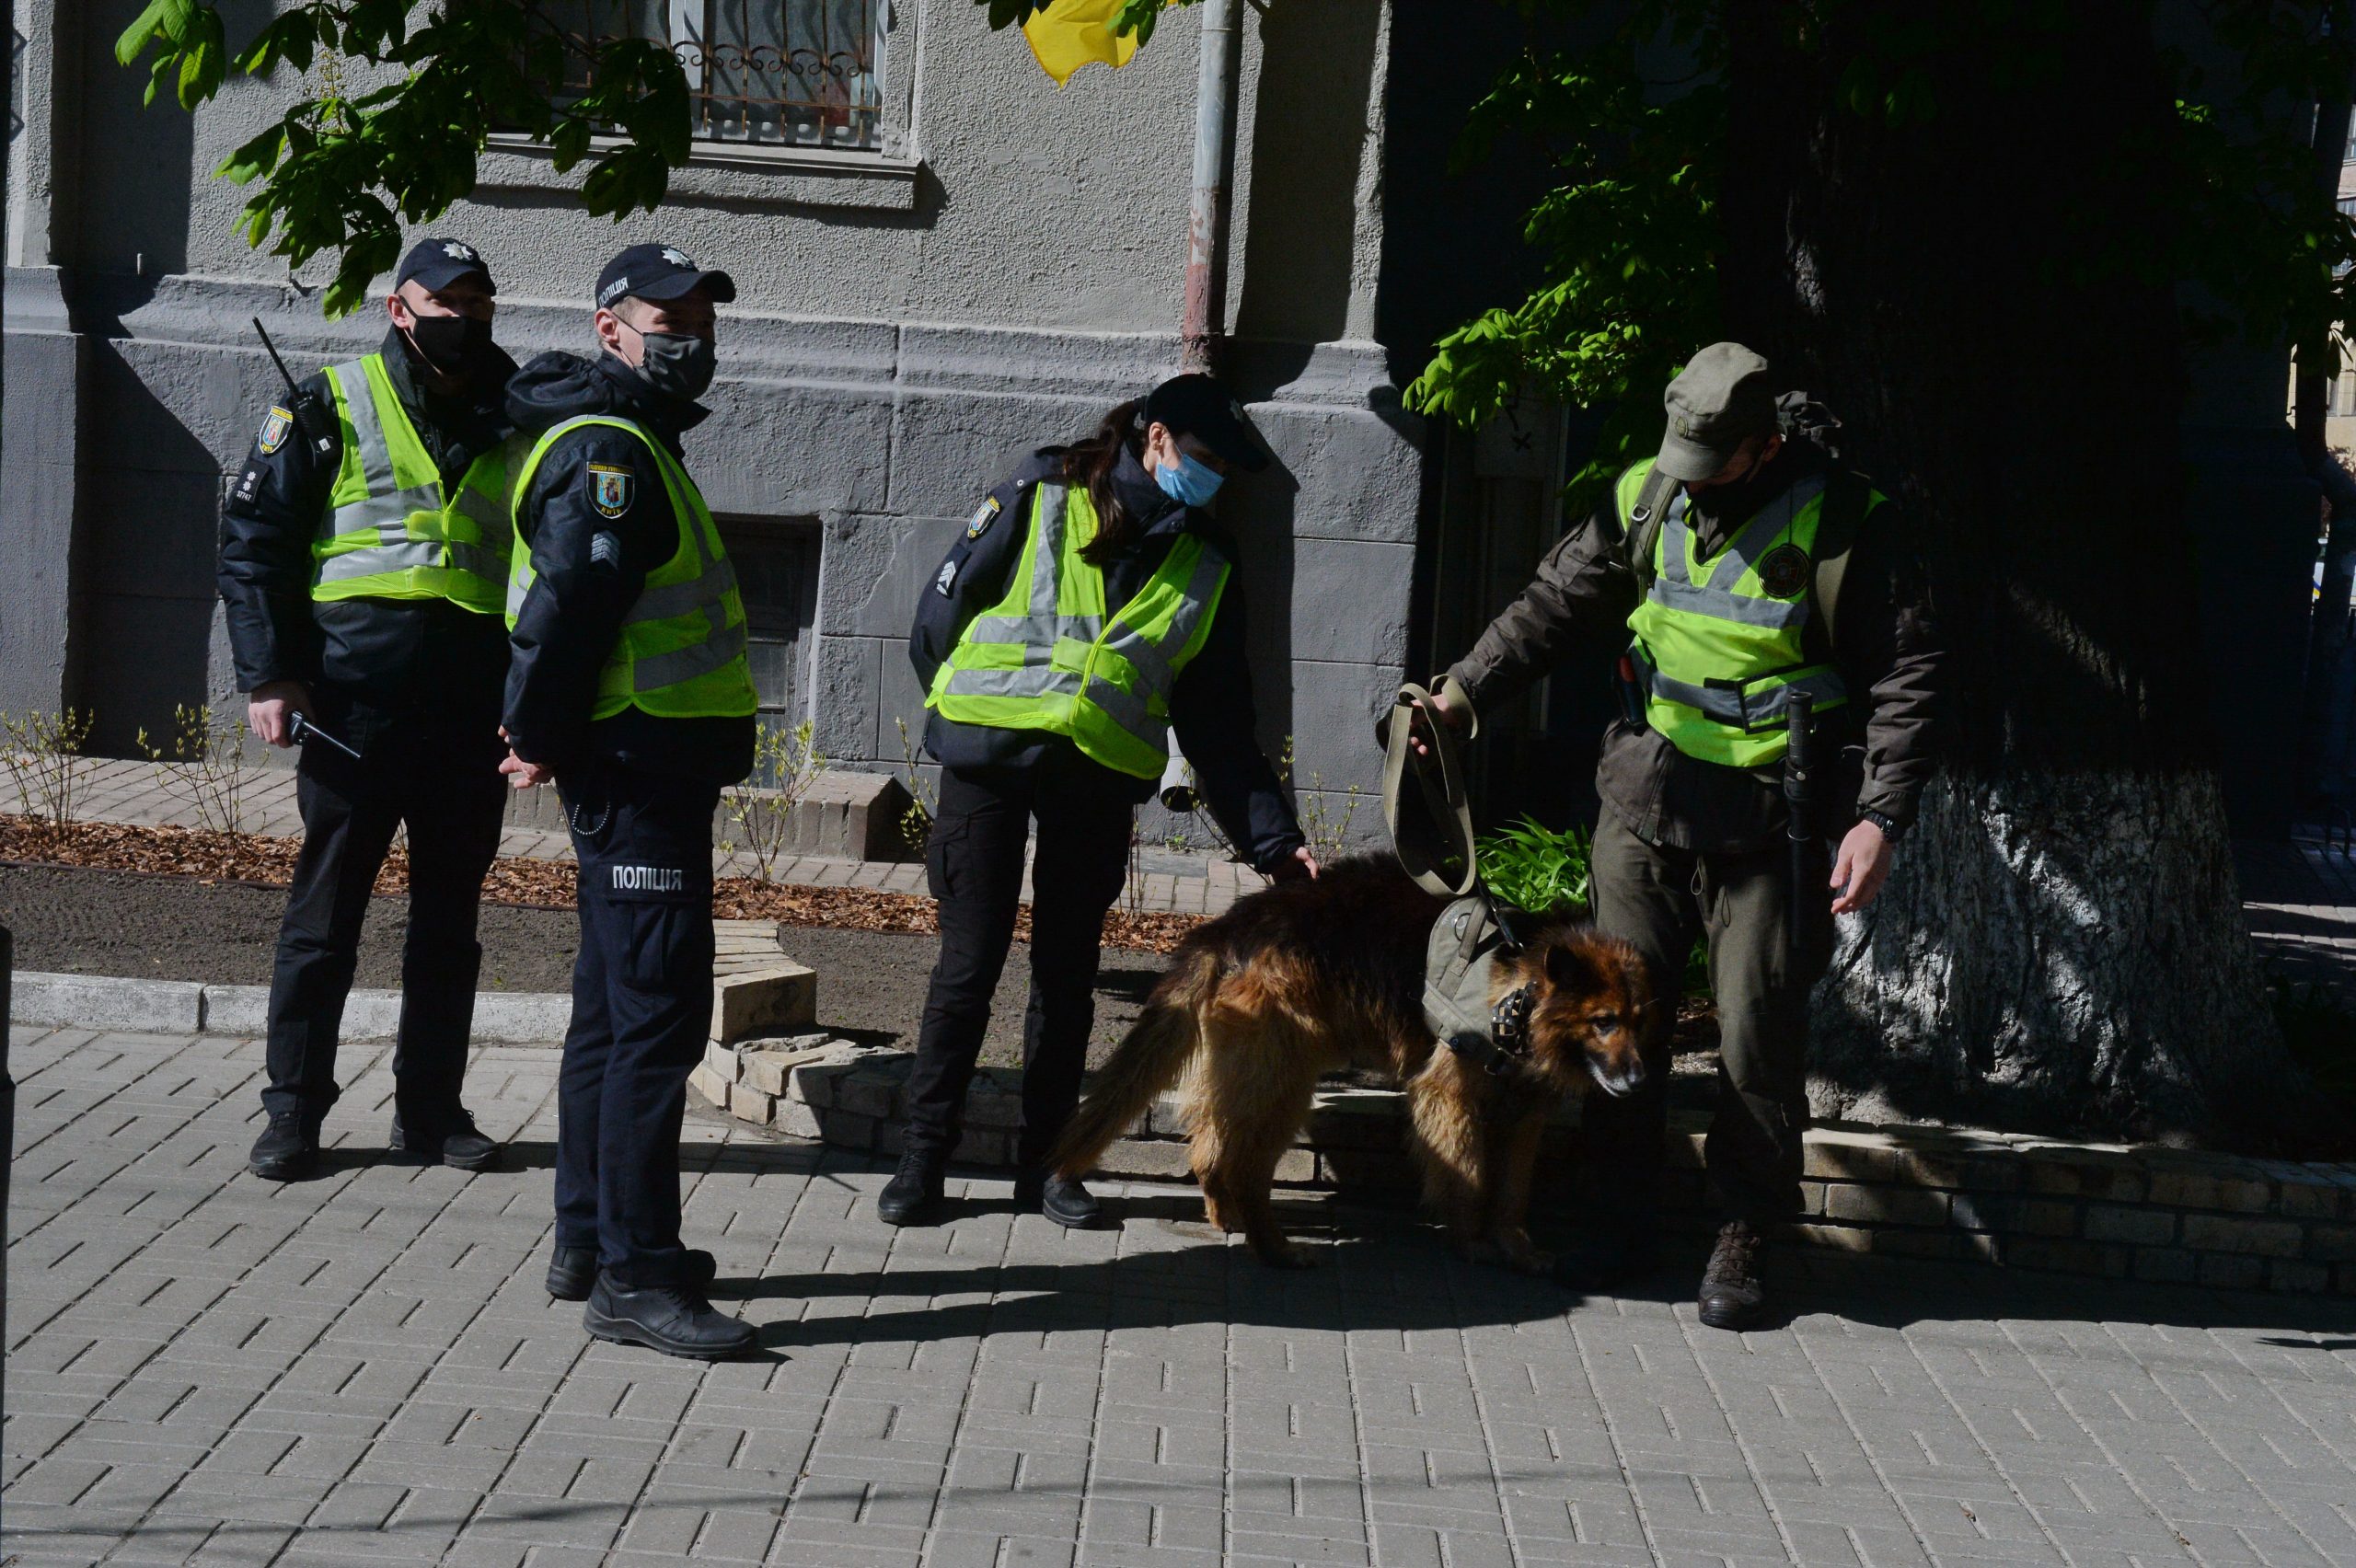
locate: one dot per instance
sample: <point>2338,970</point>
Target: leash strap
<point>1424,802</point>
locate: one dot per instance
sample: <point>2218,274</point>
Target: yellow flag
<point>1070,33</point>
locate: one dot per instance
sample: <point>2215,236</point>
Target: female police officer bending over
<point>1087,610</point>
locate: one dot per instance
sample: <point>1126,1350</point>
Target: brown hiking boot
<point>1732,1293</point>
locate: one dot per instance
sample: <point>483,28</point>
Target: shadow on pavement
<point>1384,1268</point>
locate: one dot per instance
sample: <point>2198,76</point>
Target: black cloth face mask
<point>450,345</point>
<point>678,366</point>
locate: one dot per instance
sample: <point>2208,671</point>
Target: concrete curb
<point>189,1007</point>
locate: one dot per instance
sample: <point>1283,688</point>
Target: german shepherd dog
<point>1309,976</point>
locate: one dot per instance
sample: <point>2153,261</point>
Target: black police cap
<point>438,263</point>
<point>1200,407</point>
<point>658,272</point>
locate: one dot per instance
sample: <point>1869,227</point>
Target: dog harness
<point>1504,1050</point>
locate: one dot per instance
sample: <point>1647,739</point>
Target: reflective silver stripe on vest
<point>1041,626</point>
<point>384,509</point>
<point>1022,680</point>
<point>1727,704</point>
<point>406,555</point>
<point>655,671</point>
<point>1129,711</point>
<point>1152,659</point>
<point>486,510</point>
<point>1674,589</point>
<point>410,554</point>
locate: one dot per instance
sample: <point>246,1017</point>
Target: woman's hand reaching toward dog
<point>1300,866</point>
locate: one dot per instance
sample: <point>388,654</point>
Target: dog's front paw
<point>1515,1250</point>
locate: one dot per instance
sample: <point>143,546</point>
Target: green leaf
<point>167,20</point>
<point>257,157</point>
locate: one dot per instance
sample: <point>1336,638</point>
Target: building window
<point>763,73</point>
<point>776,573</point>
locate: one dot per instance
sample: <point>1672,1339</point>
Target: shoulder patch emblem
<point>611,488</point>
<point>274,427</point>
<point>1783,574</point>
<point>982,519</point>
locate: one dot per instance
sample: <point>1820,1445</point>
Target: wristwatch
<point>1889,826</point>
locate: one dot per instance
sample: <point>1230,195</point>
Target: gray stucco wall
<point>906,326</point>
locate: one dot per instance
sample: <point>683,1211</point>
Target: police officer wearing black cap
<point>629,687</point>
<point>364,566</point>
<point>1090,607</point>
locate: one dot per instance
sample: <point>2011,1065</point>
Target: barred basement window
<point>763,73</point>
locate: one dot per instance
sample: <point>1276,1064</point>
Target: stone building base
<point>2104,1210</point>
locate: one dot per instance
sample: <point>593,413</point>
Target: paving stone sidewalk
<point>202,1367</point>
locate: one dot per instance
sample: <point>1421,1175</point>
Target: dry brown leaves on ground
<point>245,858</point>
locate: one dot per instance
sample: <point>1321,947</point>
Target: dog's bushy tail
<point>1149,1059</point>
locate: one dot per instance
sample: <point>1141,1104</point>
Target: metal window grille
<point>770,73</point>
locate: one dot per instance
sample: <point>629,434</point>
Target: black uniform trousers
<point>448,790</point>
<point>973,862</point>
<point>1658,899</point>
<point>642,1011</point>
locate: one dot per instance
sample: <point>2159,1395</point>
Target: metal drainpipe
<point>1205,328</point>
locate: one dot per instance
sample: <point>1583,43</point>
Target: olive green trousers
<point>1659,899</point>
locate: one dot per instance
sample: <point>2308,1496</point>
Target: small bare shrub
<point>203,768</point>
<point>784,766</point>
<point>44,755</point>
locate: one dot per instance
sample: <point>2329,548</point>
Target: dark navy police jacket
<point>1210,708</point>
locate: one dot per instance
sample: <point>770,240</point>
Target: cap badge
<point>456,252</point>
<point>676,257</point>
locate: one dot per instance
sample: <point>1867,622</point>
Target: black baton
<point>1799,797</point>
<point>304,731</point>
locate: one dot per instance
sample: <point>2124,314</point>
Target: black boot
<point>1068,1203</point>
<point>913,1195</point>
<point>454,1141</point>
<point>288,1149</point>
<point>1733,1296</point>
<point>672,1320</point>
<point>572,1272</point>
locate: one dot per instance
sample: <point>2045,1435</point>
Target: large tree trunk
<point>2062,947</point>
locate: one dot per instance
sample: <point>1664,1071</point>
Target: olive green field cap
<point>1721,399</point>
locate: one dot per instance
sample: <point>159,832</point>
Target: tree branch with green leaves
<point>401,106</point>
<point>1629,238</point>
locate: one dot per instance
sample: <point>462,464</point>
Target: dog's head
<point>1590,1009</point>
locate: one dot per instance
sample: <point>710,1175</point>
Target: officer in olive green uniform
<point>1742,565</point>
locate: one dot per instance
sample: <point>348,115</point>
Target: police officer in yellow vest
<point>1735,565</point>
<point>630,687</point>
<point>363,567</point>
<point>1088,610</point>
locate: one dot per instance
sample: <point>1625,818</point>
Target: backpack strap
<point>1644,518</point>
<point>1847,499</point>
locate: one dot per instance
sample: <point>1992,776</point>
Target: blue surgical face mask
<point>1189,481</point>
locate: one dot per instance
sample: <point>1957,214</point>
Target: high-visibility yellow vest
<point>1048,656</point>
<point>1718,642</point>
<point>681,651</point>
<point>392,530</point>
